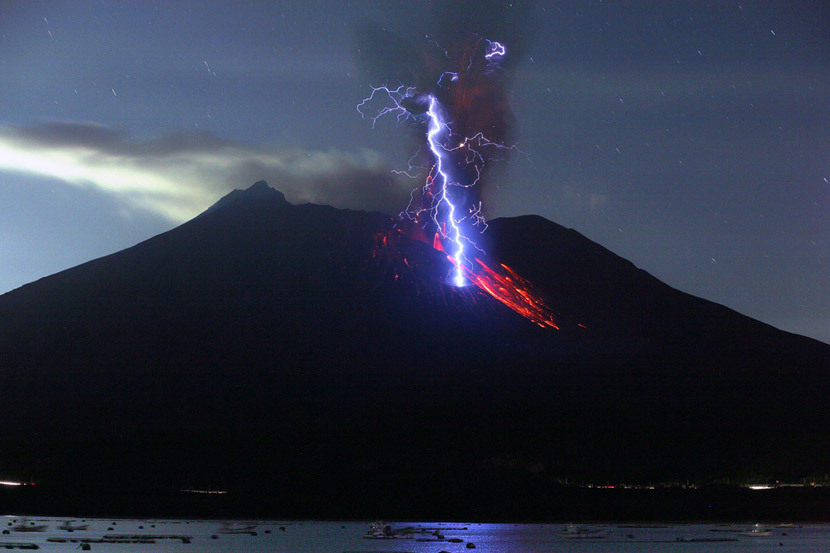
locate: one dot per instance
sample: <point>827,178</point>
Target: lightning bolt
<point>450,229</point>
<point>495,49</point>
<point>443,195</point>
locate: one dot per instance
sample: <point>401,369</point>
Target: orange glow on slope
<point>510,289</point>
<point>502,284</point>
<point>514,292</point>
<point>436,243</point>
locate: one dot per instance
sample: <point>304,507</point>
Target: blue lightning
<point>443,192</point>
<point>495,49</point>
<point>443,180</point>
<point>396,95</point>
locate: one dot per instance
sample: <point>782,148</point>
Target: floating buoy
<point>471,545</point>
<point>85,547</point>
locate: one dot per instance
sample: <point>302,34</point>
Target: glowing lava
<point>508,288</point>
<point>514,292</point>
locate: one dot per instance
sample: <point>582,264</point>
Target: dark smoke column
<point>453,94</point>
<point>456,159</point>
<point>454,39</point>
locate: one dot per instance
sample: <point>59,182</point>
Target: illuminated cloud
<point>179,175</point>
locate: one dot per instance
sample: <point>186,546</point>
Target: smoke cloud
<point>179,175</point>
<point>452,39</point>
<point>443,53</point>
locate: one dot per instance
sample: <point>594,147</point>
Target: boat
<point>574,532</point>
<point>757,531</point>
<point>380,530</point>
<point>67,526</point>
<point>26,526</point>
<point>238,529</point>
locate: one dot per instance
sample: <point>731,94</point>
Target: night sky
<point>688,137</point>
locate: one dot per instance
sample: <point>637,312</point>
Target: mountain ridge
<point>261,191</point>
<point>258,341</point>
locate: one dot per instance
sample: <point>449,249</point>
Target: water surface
<point>147,535</point>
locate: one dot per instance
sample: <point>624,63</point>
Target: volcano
<point>318,359</point>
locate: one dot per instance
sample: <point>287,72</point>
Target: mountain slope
<point>259,341</point>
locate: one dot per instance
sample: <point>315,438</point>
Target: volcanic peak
<point>258,193</point>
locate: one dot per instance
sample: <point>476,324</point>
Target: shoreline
<point>624,506</point>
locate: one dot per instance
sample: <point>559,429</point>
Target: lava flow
<point>508,288</point>
<point>514,292</point>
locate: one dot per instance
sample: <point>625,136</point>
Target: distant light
<point>760,487</point>
<point>10,483</point>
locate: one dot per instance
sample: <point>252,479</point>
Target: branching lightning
<point>450,229</point>
<point>456,163</point>
<point>445,203</point>
<point>495,50</point>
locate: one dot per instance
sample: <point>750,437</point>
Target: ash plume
<point>442,54</point>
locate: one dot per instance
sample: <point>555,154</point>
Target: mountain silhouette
<point>285,351</point>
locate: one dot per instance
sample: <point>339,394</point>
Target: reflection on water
<point>145,535</point>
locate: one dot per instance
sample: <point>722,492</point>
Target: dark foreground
<point>719,503</point>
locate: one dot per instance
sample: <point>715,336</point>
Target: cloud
<point>181,174</point>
